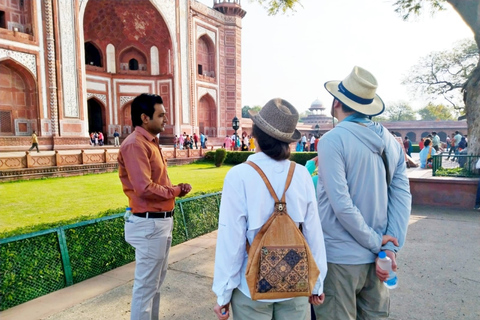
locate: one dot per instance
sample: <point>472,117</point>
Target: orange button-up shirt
<point>143,173</point>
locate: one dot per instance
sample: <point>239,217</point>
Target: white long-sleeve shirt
<point>246,205</point>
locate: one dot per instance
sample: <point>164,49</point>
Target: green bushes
<point>220,155</point>
<point>37,264</point>
<point>29,269</point>
<point>302,157</point>
<point>236,157</point>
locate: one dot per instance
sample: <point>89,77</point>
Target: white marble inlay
<point>133,89</point>
<point>101,97</point>
<point>68,54</point>
<point>96,86</point>
<point>25,59</point>
<point>203,91</point>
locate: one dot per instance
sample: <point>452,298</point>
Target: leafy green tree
<point>436,112</point>
<point>245,109</point>
<point>245,112</point>
<point>399,111</point>
<point>380,118</point>
<point>445,72</point>
<point>469,11</point>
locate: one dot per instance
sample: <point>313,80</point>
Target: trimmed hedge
<point>220,155</point>
<point>36,264</point>
<point>236,157</point>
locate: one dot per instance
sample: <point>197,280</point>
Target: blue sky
<point>292,56</point>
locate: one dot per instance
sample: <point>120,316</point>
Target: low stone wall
<point>26,165</point>
<point>449,192</point>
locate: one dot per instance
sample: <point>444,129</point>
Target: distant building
<point>70,67</point>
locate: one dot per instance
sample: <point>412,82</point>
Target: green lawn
<point>48,201</point>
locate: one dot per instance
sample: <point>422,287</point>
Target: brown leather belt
<point>155,215</point>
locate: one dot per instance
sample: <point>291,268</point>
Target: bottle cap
<point>128,208</point>
<point>382,255</point>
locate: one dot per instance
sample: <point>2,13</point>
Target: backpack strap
<point>267,183</point>
<point>270,188</point>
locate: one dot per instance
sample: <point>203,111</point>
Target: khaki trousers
<point>353,292</point>
<point>244,308</point>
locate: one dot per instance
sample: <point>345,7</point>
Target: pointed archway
<point>96,116</point>
<point>18,104</point>
<point>207,116</point>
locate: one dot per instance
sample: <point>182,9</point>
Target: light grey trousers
<point>151,239</point>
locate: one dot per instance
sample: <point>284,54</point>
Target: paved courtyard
<point>439,277</point>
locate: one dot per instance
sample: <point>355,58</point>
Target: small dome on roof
<point>317,104</point>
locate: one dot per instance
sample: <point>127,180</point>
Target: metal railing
<point>38,263</point>
<point>455,165</point>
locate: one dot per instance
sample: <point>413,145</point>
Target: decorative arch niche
<point>207,116</point>
<point>96,116</point>
<point>132,59</point>
<point>18,106</point>
<point>205,57</point>
<point>93,55</point>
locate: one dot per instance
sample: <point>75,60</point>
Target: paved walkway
<point>439,277</point>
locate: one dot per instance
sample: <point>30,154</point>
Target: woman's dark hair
<point>144,103</point>
<point>275,149</point>
<point>426,143</point>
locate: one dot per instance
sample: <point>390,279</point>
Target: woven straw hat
<point>357,91</point>
<point>278,118</point>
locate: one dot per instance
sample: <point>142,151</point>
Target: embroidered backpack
<point>280,264</point>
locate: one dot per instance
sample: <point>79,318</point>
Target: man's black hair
<point>144,103</point>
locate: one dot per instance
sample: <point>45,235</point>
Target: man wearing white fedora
<point>364,201</point>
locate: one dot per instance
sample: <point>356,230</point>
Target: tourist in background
<point>227,143</point>
<point>151,195</point>
<point>202,140</point>
<point>116,138</point>
<point>34,141</point>
<point>100,138</point>
<point>407,144</point>
<point>195,140</point>
<point>426,154</point>
<point>435,141</point>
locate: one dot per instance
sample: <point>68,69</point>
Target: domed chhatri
<point>318,115</point>
<point>316,105</point>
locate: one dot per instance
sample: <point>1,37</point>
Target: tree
<point>399,111</point>
<point>436,112</point>
<point>275,6</point>
<point>245,112</point>
<point>445,72</point>
<point>245,109</point>
<point>469,11</point>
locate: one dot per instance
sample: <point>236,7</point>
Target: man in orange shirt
<point>151,195</point>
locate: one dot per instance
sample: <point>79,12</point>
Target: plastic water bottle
<point>128,213</point>
<point>385,263</point>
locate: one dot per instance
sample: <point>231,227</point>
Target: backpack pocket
<point>283,269</point>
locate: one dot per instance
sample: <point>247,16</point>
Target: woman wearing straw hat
<point>245,208</point>
<point>364,201</point>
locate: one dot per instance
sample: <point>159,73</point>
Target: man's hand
<point>184,189</point>
<point>222,312</point>
<point>383,274</point>
<point>386,238</point>
<point>317,300</point>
